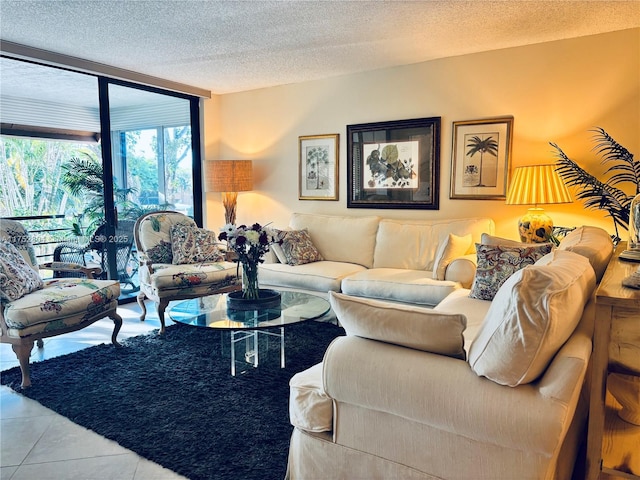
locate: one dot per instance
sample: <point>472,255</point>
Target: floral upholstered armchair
<point>179,261</point>
<point>32,309</point>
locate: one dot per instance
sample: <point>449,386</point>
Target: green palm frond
<point>624,168</point>
<point>599,195</point>
<point>83,175</point>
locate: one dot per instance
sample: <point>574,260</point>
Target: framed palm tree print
<point>318,169</point>
<point>480,157</point>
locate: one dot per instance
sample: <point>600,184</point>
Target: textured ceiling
<point>230,46</point>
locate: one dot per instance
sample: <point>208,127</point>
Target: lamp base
<point>535,227</point>
<point>229,200</point>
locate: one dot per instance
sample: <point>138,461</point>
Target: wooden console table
<point>613,446</point>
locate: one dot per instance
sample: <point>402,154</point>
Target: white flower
<point>252,236</point>
<point>229,229</point>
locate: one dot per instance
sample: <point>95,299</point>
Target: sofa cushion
<point>496,263</point>
<point>409,326</point>
<point>453,247</point>
<point>413,244</point>
<point>17,277</point>
<point>593,243</point>
<point>399,285</point>
<point>190,244</point>
<point>317,276</point>
<point>475,310</point>
<point>532,315</point>
<point>168,279</point>
<point>297,247</point>
<point>340,238</point>
<point>310,408</point>
<point>73,301</point>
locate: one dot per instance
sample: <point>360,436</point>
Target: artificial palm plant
<point>604,195</point>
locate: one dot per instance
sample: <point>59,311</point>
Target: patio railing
<point>47,231</point>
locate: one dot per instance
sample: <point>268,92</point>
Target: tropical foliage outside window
<point>41,177</point>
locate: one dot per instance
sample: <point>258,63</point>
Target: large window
<point>57,175</point>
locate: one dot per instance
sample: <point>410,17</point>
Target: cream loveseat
<point>418,262</point>
<point>472,389</point>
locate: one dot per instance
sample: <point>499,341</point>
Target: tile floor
<point>35,442</point>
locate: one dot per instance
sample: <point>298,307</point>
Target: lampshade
<point>535,185</point>
<point>229,176</point>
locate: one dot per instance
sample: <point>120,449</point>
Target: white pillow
<point>406,325</point>
<point>533,313</point>
<point>591,242</point>
<point>276,247</point>
<point>453,247</point>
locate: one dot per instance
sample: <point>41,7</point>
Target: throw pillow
<point>496,263</point>
<point>487,239</point>
<point>297,247</point>
<point>453,247</point>
<point>17,277</point>
<point>535,311</point>
<point>190,244</point>
<point>276,247</point>
<point>591,242</point>
<point>406,325</point>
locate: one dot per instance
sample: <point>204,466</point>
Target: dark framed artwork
<point>480,157</point>
<point>318,167</point>
<point>394,164</point>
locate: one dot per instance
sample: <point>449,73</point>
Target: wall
<point>556,91</point>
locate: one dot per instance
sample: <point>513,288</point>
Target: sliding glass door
<point>152,157</point>
<point>84,156</point>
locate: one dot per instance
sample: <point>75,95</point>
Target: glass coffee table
<point>247,325</point>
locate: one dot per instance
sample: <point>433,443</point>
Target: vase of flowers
<point>249,244</point>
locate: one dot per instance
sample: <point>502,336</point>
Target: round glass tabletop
<point>212,312</point>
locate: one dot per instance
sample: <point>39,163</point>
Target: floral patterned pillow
<point>297,247</point>
<point>160,253</point>
<point>496,263</point>
<point>17,277</point>
<point>191,244</point>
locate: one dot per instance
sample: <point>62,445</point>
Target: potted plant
<point>604,195</point>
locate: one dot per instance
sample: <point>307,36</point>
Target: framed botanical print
<point>394,164</point>
<point>480,157</point>
<point>318,168</point>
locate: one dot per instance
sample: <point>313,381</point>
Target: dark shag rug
<point>171,398</point>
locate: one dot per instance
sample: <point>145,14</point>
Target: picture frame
<point>394,164</point>
<point>318,172</point>
<point>480,158</point>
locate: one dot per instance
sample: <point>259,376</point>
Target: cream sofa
<point>472,389</point>
<point>381,258</point>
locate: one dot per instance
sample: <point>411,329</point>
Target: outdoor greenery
<point>604,194</point>
<point>53,178</point>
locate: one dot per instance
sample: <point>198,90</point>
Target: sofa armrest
<point>445,393</point>
<point>462,269</point>
<point>89,272</point>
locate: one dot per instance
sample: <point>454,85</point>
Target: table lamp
<point>534,185</point>
<point>229,177</point>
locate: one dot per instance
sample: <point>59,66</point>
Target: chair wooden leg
<point>162,305</point>
<point>117,320</point>
<point>23,352</point>
<point>142,305</point>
